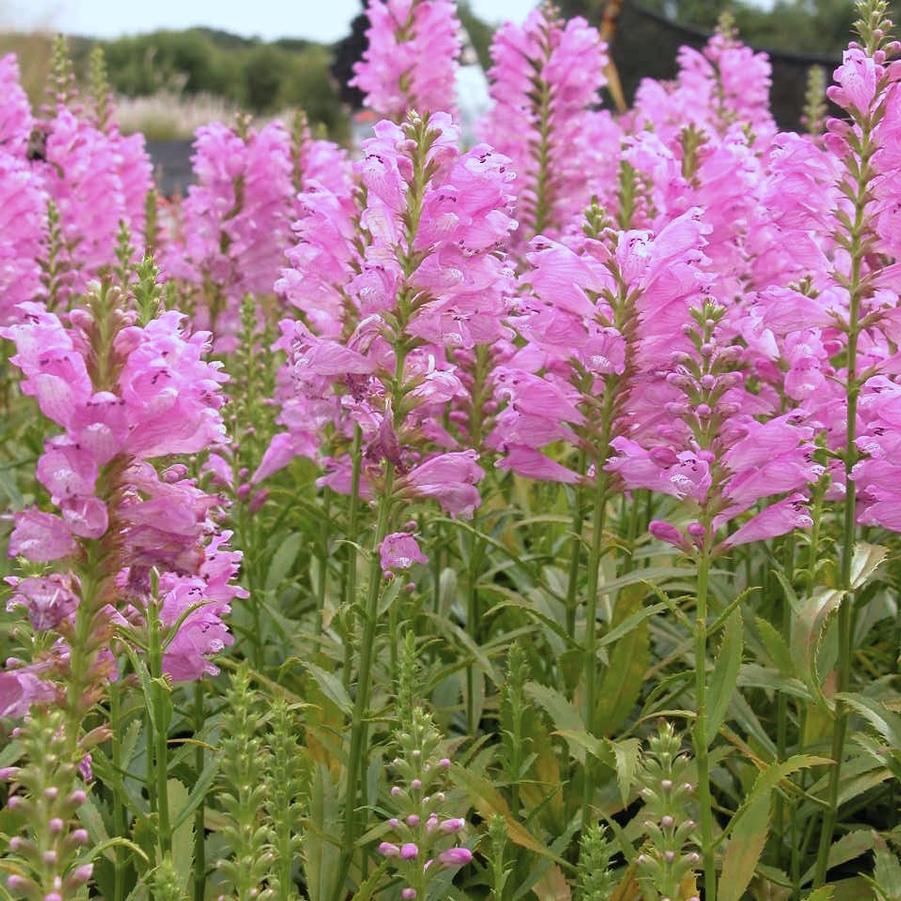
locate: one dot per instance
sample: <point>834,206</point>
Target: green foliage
<point>261,77</point>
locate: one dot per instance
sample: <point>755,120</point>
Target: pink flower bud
<point>408,850</point>
<point>455,857</point>
<point>408,893</point>
<point>387,849</point>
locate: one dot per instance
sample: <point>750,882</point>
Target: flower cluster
<point>123,395</point>
<point>423,838</point>
<point>666,860</point>
<point>545,83</point>
<point>410,62</point>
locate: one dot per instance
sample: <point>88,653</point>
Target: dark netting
<point>646,44</point>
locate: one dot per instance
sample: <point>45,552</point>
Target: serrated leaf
<point>751,675</point>
<point>183,834</point>
<point>563,714</point>
<point>848,847</point>
<point>725,675</point>
<point>810,618</point>
<point>866,560</point>
<point>743,851</point>
<point>769,778</point>
<point>627,754</point>
<point>198,791</point>
<point>887,872</point>
<point>886,723</point>
<point>775,646</point>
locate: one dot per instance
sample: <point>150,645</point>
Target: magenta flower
<point>550,140</point>
<point>411,59</point>
<point>400,550</point>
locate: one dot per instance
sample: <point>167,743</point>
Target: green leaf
<point>580,741</point>
<point>865,562</point>
<point>198,791</point>
<point>488,801</point>
<point>627,754</point>
<point>744,849</point>
<point>183,835</point>
<point>369,887</point>
<point>775,646</point>
<point>848,847</point>
<point>824,893</point>
<point>562,713</point>
<point>751,675</point>
<point>886,723</point>
<point>624,676</point>
<point>887,873</point>
<point>282,561</point>
<point>808,624</point>
<point>725,675</point>
<point>332,687</point>
<point>769,778</point>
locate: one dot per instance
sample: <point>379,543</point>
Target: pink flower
<point>775,520</point>
<point>22,686</point>
<point>48,600</point>
<point>23,228</point>
<point>16,121</point>
<point>450,479</point>
<point>400,550</point>
<point>411,58</point>
<point>40,537</point>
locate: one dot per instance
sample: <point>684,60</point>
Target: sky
<point>322,20</point>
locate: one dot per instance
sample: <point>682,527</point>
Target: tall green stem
<point>360,725</point>
<point>572,585</point>
<point>350,574</point>
<point>782,702</point>
<point>160,703</point>
<point>700,731</point>
<point>117,727</point>
<point>590,663</point>
<point>199,815</point>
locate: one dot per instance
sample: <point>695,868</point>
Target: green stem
<point>199,815</point>
<point>700,731</point>
<point>782,704</point>
<point>472,621</point>
<point>322,586</point>
<point>350,575</point>
<point>159,700</point>
<point>572,585</point>
<point>120,826</point>
<point>356,762</point>
<point>590,664</point>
